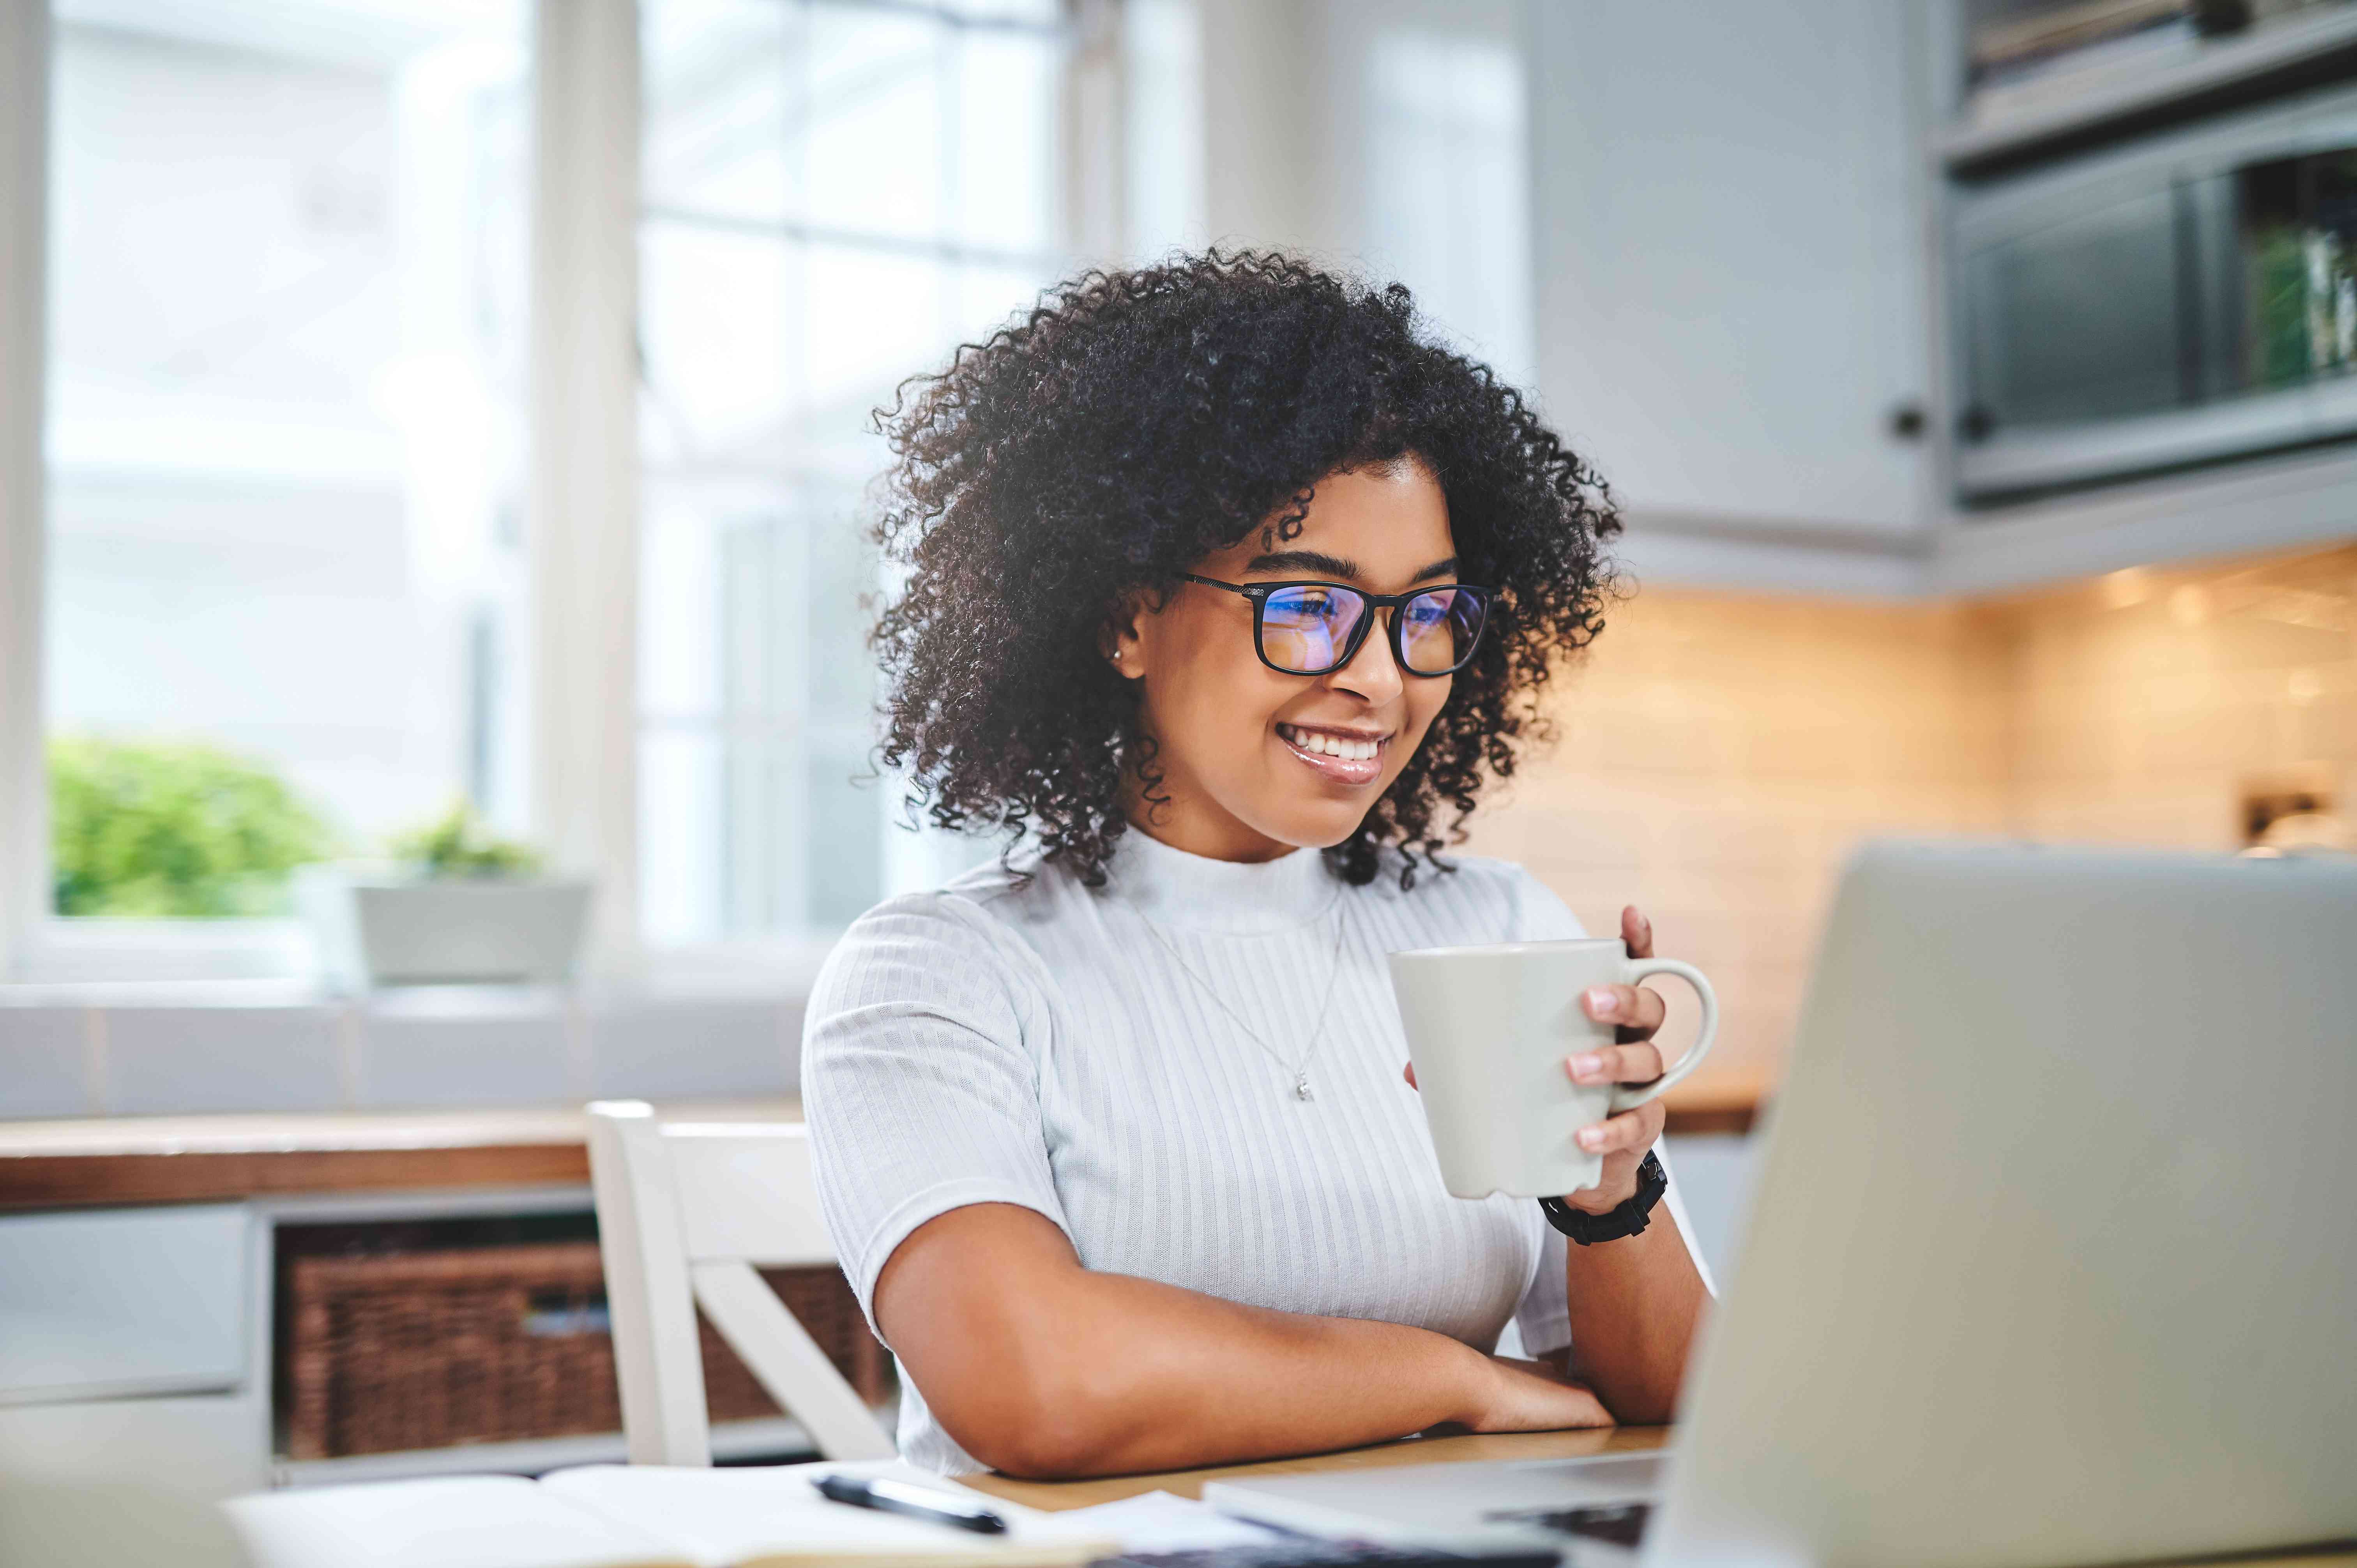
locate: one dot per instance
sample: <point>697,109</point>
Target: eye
<point>1309,604</point>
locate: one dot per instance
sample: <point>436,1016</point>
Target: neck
<point>1186,819</point>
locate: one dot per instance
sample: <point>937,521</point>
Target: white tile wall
<point>43,1057</point>
<point>687,1048</point>
<point>166,1060</point>
<point>448,1046</point>
<point>427,1048</point>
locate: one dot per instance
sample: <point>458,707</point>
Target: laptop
<point>2053,1253</point>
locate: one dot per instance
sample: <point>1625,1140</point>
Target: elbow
<point>1646,1404</point>
<point>1042,1419</point>
<point>1054,1450</point>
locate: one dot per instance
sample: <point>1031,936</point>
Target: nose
<point>1373,672</point>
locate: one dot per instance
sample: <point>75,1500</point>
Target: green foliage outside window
<point>459,845</point>
<point>173,828</point>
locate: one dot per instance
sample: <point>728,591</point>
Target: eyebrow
<point>1333,565</point>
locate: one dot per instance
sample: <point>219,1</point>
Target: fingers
<point>1638,1063</point>
<point>1634,1007</point>
<point>1627,1133</point>
<point>1408,1072</point>
<point>1637,932</point>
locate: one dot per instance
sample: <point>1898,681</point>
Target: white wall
<point>1390,137</point>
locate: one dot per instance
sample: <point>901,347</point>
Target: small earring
<point>1116,653</point>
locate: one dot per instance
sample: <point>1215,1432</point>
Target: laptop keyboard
<point>1622,1524</point>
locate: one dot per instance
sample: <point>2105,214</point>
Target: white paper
<point>722,1517</point>
<point>1164,1521</point>
<point>466,1521</point>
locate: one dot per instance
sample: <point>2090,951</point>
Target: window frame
<point>1085,144</point>
<point>23,482</point>
<point>582,542</point>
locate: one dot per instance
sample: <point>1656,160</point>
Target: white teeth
<point>1330,744</point>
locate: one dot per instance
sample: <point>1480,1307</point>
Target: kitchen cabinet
<point>1730,255</point>
<point>118,1304</point>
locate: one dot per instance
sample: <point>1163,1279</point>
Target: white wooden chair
<point>686,1211</point>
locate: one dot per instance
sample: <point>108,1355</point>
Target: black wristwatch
<point>1629,1218</point>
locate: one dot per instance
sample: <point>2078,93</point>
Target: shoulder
<point>1473,898</point>
<point>958,937</point>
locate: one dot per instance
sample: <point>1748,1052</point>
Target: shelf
<point>2225,69</point>
<point>779,1435</point>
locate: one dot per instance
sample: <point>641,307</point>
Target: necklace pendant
<point>1301,1087</point>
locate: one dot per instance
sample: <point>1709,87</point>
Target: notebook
<point>615,1515</point>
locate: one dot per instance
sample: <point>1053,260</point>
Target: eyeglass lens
<point>1308,629</point>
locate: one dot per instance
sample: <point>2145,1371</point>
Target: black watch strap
<point>1630,1219</point>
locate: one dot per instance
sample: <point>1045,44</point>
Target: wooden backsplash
<point>1720,753</point>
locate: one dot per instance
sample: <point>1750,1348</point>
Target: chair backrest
<point>685,1212</point>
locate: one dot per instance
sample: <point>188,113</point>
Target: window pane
<point>837,194</point>
<point>1005,115</point>
<point>871,122</point>
<point>720,323</point>
<point>1447,186</point>
<point>283,431</point>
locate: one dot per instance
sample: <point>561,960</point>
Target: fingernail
<point>1591,1137</point>
<point>1587,1065</point>
<point>1601,1003</point>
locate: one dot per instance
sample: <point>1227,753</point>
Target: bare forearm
<point>1040,1367</point>
<point>1635,1305</point>
<point>1149,1377</point>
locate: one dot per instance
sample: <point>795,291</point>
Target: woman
<point>1227,595</point>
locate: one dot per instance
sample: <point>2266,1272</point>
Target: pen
<point>898,1496</point>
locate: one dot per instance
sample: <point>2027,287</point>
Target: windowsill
<point>110,952</point>
<point>697,1024</point>
<point>274,961</point>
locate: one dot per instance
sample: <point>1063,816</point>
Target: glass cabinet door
<point>2078,319</point>
<point>2200,288</point>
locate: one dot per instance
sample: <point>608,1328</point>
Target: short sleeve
<point>918,1080</point>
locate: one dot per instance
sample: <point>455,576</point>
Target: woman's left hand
<point>1635,1014</point>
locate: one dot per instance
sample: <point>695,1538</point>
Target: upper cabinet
<point>2146,213</point>
<point>1729,236</point>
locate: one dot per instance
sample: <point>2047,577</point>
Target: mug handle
<point>1629,1096</point>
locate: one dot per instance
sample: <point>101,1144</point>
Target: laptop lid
<point>2052,1256</point>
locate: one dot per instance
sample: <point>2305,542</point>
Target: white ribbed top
<point>996,1042</point>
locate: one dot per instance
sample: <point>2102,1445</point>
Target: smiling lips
<point>1344,756</point>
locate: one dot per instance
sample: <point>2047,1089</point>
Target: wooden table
<point>1058,1494</point>
<point>187,1159</point>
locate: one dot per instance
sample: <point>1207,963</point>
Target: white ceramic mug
<point>1487,1030</point>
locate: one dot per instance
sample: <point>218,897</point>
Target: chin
<point>1323,829</point>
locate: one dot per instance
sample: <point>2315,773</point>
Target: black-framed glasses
<point>1314,629</point>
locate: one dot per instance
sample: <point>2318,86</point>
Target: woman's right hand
<point>1531,1396</point>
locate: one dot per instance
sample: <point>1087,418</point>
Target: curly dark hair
<point>1135,422</point>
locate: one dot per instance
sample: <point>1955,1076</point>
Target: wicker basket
<point>485,1345</point>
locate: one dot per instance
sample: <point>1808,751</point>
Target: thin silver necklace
<point>1299,1070</point>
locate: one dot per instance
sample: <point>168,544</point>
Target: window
<point>287,418</point>
<point>1447,188</point>
<point>836,193</point>
<point>284,440</point>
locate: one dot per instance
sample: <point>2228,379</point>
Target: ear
<point>1119,638</point>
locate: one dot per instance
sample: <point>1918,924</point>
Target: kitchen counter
<point>181,1159</point>
<point>178,1159</point>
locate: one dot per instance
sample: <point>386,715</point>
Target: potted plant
<point>455,906</point>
